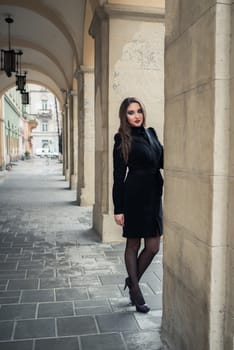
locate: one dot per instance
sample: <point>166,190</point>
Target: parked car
<point>44,152</point>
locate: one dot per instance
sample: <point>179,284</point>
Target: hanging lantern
<point>20,77</point>
<point>25,97</point>
<point>9,58</point>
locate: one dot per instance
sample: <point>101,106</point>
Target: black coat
<point>137,188</point>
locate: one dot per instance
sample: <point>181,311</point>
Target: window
<point>44,126</point>
<point>44,104</point>
<point>45,143</point>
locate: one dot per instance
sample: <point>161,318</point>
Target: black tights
<point>136,265</point>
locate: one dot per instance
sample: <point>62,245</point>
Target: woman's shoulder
<point>117,138</point>
<point>152,131</point>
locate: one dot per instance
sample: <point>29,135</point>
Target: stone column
<point>198,248</point>
<point>73,139</point>
<point>66,140</point>
<point>129,50</point>
<point>85,191</point>
<point>2,139</point>
<point>67,150</point>
<point>229,317</point>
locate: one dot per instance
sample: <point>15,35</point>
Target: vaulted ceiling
<point>50,34</point>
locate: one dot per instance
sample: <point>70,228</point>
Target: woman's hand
<point>119,219</point>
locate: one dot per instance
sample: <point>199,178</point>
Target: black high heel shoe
<point>139,301</point>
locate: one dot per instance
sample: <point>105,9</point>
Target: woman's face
<point>135,115</point>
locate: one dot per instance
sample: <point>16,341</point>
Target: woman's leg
<point>131,253</point>
<point>151,248</point>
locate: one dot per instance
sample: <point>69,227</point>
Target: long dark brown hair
<point>125,128</point>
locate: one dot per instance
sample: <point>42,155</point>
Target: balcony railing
<point>44,113</point>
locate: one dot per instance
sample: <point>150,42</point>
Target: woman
<point>137,193</point>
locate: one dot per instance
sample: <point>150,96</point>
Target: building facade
<point>16,127</point>
<point>44,107</point>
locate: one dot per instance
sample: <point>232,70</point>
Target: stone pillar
<point>73,139</point>
<point>2,139</point>
<point>86,174</point>
<point>66,140</point>
<point>199,193</point>
<point>129,51</point>
<point>229,319</point>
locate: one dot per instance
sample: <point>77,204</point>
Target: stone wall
<point>196,295</point>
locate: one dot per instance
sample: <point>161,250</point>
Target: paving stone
<point>6,244</point>
<point>30,329</point>
<point>11,294</point>
<point>6,328</point>
<point>120,268</point>
<point>67,343</point>
<point>84,281</point>
<point>23,284</point>
<point>42,273</point>
<point>143,340</point>
<point>104,291</point>
<point>22,244</point>
<point>30,265</point>
<point>121,304</point>
<point>114,260</point>
<point>19,257</point>
<point>146,290</point>
<point>8,266</point>
<point>114,253</point>
<point>69,272</point>
<point>37,295</point>
<point>75,281</point>
<point>153,281</point>
<point>76,325</point>
<point>12,274</point>
<point>117,322</point>
<point>55,309</point>
<point>154,301</point>
<point>13,300</point>
<point>17,345</point>
<point>112,279</point>
<point>46,283</point>
<point>98,272</point>
<point>44,256</point>
<point>3,257</point>
<point>96,310</point>
<point>71,294</point>
<point>17,311</point>
<point>91,303</point>
<point>157,269</point>
<point>9,250</point>
<point>151,320</point>
<point>111,341</point>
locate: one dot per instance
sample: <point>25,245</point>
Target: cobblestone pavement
<point>60,288</point>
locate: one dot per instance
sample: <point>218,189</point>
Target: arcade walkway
<point>60,288</point>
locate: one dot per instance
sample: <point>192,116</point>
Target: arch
<point>54,89</point>
<point>47,13</point>
<point>27,44</point>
